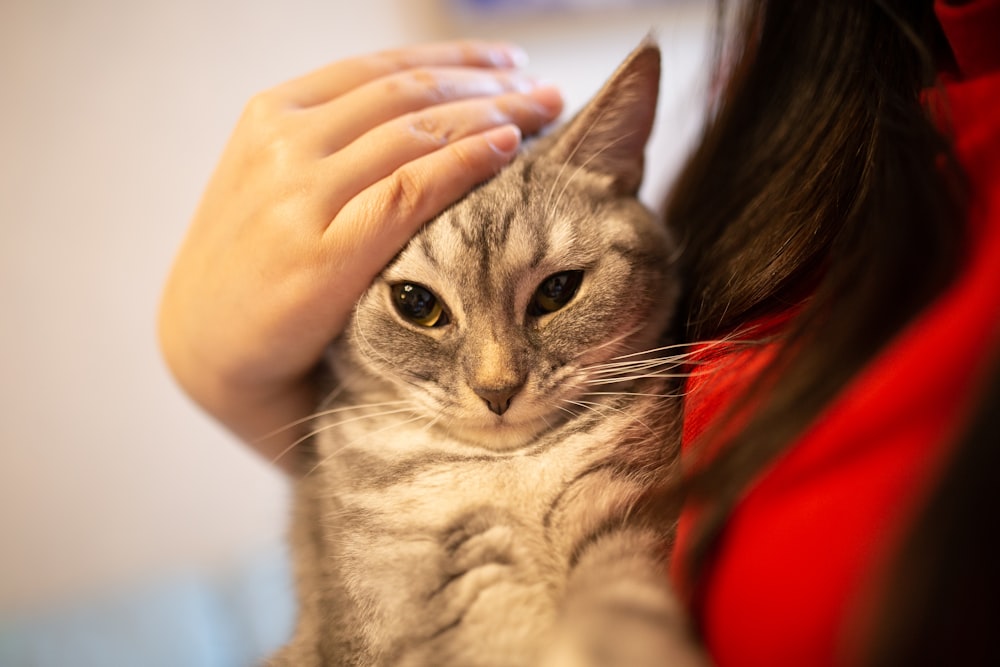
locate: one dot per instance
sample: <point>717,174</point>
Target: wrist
<point>260,411</point>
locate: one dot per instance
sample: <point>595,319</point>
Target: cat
<point>474,492</point>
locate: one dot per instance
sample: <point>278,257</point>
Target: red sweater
<point>813,532</point>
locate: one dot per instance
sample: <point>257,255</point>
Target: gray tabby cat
<point>475,491</point>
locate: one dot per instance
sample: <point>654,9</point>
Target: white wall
<point>113,113</point>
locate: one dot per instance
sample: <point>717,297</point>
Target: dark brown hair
<point>822,187</point>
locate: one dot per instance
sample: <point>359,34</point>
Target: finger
<point>337,78</point>
<point>392,145</point>
<point>333,125</point>
<point>413,194</point>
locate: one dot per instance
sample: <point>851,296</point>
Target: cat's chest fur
<point>433,537</point>
<point>418,478</point>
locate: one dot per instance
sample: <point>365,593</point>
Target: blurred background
<point>134,530</point>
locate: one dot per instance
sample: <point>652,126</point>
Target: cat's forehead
<point>524,219</point>
<point>475,244</point>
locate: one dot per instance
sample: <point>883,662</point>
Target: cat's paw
<point>490,604</point>
<point>477,552</point>
<point>621,611</point>
<point>622,637</point>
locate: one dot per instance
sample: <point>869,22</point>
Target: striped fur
<point>431,530</point>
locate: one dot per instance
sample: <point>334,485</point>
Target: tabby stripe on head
<point>428,250</point>
<point>637,256</point>
<point>527,181</point>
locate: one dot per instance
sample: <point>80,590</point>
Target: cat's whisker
<point>589,405</point>
<point>648,357</point>
<point>633,374</point>
<point>327,427</point>
<point>332,395</point>
<point>550,204</point>
<point>671,359</point>
<point>581,140</point>
<point>612,408</point>
<point>585,367</point>
<point>562,168</point>
<point>630,373</point>
<point>429,425</point>
<point>367,346</point>
<point>323,413</point>
<point>582,166</point>
<point>433,421</point>
<point>366,435</point>
<point>625,366</point>
<point>583,405</point>
<point>614,341</point>
<point>644,358</point>
<point>567,410</point>
<point>634,393</point>
<point>697,348</point>
<point>663,348</point>
<point>633,378</point>
<point>638,371</point>
<point>640,365</point>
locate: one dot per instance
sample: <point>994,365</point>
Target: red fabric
<point>806,542</point>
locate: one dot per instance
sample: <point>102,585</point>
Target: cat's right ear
<point>608,136</point>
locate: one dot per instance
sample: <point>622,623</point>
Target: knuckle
<point>470,52</point>
<point>424,79</point>
<point>405,193</point>
<point>277,149</point>
<point>431,128</point>
<point>427,86</point>
<point>268,138</point>
<point>262,106</point>
<point>393,59</point>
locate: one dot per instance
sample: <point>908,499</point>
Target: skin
<point>324,179</point>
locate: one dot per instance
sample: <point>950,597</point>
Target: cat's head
<point>490,318</point>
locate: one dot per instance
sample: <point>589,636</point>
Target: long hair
<point>821,187</point>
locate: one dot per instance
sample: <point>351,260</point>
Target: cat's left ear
<point>608,136</point>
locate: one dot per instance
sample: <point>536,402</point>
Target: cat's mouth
<point>501,432</point>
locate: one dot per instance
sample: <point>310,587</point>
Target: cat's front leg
<point>620,610</point>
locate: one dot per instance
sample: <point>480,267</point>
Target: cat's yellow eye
<point>555,292</point>
<point>417,304</point>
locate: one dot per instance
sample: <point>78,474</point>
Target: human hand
<point>324,179</point>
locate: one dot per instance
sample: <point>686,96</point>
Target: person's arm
<point>324,179</point>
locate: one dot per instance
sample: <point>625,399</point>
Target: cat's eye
<point>555,292</point>
<point>418,304</point>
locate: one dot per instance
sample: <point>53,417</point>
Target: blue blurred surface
<point>228,619</point>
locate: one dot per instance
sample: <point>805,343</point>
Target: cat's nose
<point>497,399</point>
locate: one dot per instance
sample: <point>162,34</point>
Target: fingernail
<point>549,97</point>
<point>504,140</point>
<point>523,83</point>
<point>509,55</point>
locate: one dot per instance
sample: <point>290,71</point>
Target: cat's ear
<point>608,136</point>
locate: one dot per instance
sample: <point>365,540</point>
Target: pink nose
<point>497,399</point>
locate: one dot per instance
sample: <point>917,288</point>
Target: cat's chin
<point>499,435</point>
